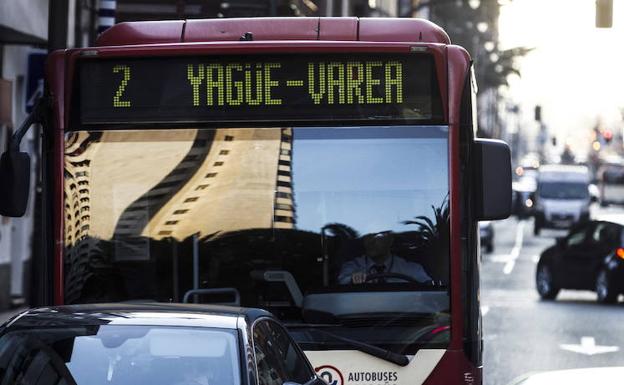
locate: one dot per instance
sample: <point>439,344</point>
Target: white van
<point>562,197</point>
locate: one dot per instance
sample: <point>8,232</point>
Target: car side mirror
<point>492,164</point>
<point>14,183</point>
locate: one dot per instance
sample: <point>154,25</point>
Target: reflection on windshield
<point>120,355</point>
<point>563,190</point>
<point>342,226</point>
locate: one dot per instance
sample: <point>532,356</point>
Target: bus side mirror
<point>493,179</point>
<point>14,183</point>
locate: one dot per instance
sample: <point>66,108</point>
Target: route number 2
<point>117,102</point>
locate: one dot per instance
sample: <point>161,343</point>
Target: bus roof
<point>273,29</point>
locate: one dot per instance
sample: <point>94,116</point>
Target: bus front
<point>324,178</point>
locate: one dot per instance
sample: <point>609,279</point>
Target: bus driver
<point>378,259</point>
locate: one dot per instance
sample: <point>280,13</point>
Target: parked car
<point>486,231</point>
<point>131,344</point>
<point>590,257</point>
<point>562,197</point>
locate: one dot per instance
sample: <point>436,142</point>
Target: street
<point>524,334</point>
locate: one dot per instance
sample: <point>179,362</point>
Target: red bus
<point>324,169</point>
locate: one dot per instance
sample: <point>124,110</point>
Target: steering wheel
<point>400,276</point>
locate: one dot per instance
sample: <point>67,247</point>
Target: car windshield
<point>563,190</point>
<point>120,355</point>
<point>341,226</point>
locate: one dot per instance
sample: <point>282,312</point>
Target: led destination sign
<point>254,88</point>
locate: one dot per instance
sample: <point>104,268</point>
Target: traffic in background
<point>551,275</point>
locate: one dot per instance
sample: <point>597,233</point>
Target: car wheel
<point>604,288</point>
<point>545,283</point>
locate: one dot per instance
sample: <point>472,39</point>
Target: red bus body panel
<point>285,35</point>
<point>277,29</point>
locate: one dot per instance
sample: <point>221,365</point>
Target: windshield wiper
<point>363,347</point>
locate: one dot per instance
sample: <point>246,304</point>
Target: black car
<point>590,257</point>
<point>156,344</point>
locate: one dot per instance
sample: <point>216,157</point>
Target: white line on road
<point>588,346</point>
<point>515,252</point>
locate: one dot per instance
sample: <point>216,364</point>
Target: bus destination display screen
<point>258,88</point>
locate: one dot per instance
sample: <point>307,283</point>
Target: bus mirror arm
<point>15,168</point>
<point>492,189</point>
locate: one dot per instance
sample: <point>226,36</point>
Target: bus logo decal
<point>330,374</point>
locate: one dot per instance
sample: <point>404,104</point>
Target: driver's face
<point>377,246</point>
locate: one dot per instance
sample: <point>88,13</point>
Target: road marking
<point>515,252</point>
<point>588,347</point>
<point>484,309</point>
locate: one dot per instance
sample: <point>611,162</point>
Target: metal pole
<point>57,24</point>
<point>325,256</point>
<point>78,40</point>
<point>345,8</point>
<point>195,263</point>
<point>175,269</point>
<point>92,22</point>
<point>41,263</point>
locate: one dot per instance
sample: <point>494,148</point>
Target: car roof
<point>563,172</point>
<point>152,314</point>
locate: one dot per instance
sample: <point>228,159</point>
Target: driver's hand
<point>358,277</point>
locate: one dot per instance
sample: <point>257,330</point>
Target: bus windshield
<point>339,231</point>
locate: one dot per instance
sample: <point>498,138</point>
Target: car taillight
<point>620,252</point>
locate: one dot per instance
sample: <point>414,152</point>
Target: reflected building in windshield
<point>176,182</point>
<point>132,188</point>
<point>244,182</point>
